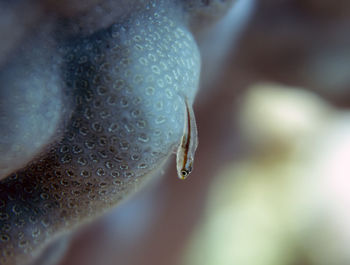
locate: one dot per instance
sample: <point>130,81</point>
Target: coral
<point>32,104</point>
<point>126,85</point>
<point>87,114</point>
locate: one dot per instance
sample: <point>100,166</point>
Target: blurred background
<point>271,180</point>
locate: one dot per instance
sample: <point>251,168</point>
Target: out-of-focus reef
<point>284,201</point>
<point>302,43</point>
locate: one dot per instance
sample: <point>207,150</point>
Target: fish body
<point>188,145</point>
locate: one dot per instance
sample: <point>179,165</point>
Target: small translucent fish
<point>188,144</point>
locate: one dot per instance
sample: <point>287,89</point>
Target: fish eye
<point>184,173</point>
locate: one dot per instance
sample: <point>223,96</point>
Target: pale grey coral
<point>31,104</point>
<point>121,92</point>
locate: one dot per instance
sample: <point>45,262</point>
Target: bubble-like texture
<point>127,84</point>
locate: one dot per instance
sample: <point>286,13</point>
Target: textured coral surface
<point>98,111</point>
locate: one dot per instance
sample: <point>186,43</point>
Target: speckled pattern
<point>126,84</point>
